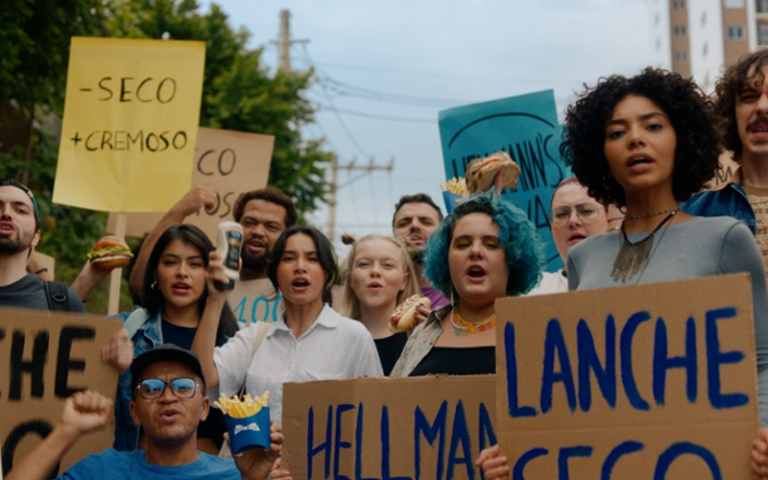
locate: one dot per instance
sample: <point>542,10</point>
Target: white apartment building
<point>700,37</point>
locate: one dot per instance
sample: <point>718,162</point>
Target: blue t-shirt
<point>132,466</point>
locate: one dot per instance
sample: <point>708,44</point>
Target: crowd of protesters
<point>646,144</point>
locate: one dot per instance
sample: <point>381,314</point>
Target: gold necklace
<point>465,327</point>
<point>634,256</point>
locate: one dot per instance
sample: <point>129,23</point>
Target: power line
<point>375,116</point>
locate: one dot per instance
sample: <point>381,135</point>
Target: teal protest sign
<point>526,128</point>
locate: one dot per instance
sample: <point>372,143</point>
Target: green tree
<point>238,94</point>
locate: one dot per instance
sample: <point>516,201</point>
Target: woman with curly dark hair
<point>484,250</point>
<point>645,144</point>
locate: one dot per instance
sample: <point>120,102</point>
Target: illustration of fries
<point>247,407</point>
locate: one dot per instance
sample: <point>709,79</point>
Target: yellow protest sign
<point>130,123</point>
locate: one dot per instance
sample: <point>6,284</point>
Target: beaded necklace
<point>464,327</point>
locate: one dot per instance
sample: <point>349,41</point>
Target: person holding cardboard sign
<point>174,300</point>
<point>379,276</point>
<point>484,250</point>
<point>168,401</point>
<point>646,143</point>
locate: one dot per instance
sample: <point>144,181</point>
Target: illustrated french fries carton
<point>247,421</point>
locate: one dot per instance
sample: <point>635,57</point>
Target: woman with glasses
<point>174,300</point>
<point>575,217</point>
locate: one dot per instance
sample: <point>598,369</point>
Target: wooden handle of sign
<point>117,274</point>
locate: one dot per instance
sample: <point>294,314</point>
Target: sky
<point>386,68</point>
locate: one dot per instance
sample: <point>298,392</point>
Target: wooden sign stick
<point>117,273</point>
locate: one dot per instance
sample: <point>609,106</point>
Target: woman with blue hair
<point>484,250</point>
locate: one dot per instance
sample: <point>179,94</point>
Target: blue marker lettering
<point>512,393</point>
<point>460,434</point>
<point>555,344</point>
<point>359,445</point>
<point>669,456</point>
<point>622,449</point>
<point>431,433</point>
<point>625,347</point>
<point>588,360</point>
<point>326,447</point>
<point>517,472</point>
<point>715,358</point>
<point>662,363</point>
<point>340,409</point>
<point>570,452</point>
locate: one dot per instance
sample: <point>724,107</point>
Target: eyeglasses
<point>154,388</point>
<point>13,183</point>
<point>587,212</point>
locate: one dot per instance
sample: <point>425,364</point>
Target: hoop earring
<point>154,286</point>
<point>605,184</point>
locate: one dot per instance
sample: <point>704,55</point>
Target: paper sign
<point>46,358</point>
<point>429,428</point>
<point>526,128</point>
<point>654,381</point>
<point>228,162</point>
<point>130,123</point>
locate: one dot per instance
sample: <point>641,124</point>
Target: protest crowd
<point>647,144</point>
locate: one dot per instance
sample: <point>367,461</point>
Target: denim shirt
<point>147,337</point>
<point>729,201</point>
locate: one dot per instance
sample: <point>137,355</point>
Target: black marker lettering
<point>101,86</point>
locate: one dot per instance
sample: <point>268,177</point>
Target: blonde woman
<point>379,276</point>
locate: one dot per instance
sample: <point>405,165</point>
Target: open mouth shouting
<point>476,273</point>
<point>575,238</point>
<point>168,415</point>
<point>7,227</point>
<point>256,246</point>
<point>758,127</point>
<point>300,284</point>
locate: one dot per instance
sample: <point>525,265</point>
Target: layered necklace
<point>463,327</point>
<point>633,256</point>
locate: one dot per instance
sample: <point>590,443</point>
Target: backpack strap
<point>135,320</point>
<point>263,330</point>
<point>57,296</point>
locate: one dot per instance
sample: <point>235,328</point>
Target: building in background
<point>700,37</point>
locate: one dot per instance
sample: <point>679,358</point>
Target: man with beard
<point>19,234</point>
<point>416,217</point>
<point>264,215</point>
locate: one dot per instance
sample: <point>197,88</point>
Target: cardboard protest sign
<point>654,381</point>
<point>227,162</point>
<point>526,128</point>
<point>388,428</point>
<point>48,357</point>
<point>130,123</point>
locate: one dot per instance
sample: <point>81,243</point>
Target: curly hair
<point>690,111</point>
<point>733,83</point>
<point>522,246</point>
<point>272,195</point>
<point>350,304</point>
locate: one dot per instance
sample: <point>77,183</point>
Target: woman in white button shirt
<point>310,341</point>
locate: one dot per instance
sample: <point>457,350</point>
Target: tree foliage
<point>238,94</point>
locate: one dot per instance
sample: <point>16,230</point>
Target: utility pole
<point>284,42</point>
<point>350,167</point>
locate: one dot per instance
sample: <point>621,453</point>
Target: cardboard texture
<point>46,357</point>
<point>227,162</point>
<point>526,127</point>
<point>676,409</point>
<point>429,428</point>
<point>130,123</point>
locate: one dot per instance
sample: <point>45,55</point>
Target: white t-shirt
<point>334,347</point>
<point>551,283</point>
